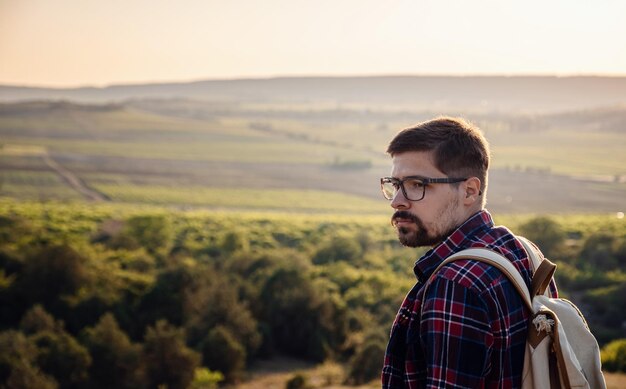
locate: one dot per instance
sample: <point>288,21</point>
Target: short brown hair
<point>459,148</point>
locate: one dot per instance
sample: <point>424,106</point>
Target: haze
<point>77,42</point>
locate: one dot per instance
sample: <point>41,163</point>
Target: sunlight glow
<point>73,42</point>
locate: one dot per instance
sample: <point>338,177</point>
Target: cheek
<point>442,212</point>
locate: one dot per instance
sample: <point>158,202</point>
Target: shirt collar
<point>425,265</point>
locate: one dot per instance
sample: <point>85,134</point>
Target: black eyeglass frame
<point>425,182</point>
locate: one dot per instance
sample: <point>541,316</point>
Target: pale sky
<point>95,42</point>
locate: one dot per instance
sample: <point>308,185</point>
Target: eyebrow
<point>411,176</point>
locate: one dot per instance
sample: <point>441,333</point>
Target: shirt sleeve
<point>456,336</point>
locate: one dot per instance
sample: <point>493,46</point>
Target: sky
<point>70,43</point>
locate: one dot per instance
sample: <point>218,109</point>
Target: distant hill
<point>489,93</point>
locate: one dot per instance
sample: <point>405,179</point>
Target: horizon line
<point>311,76</point>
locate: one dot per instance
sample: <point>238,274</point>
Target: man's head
<point>453,152</point>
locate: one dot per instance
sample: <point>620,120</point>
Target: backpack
<point>560,352</point>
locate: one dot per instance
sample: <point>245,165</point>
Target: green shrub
<point>298,381</point>
<point>366,364</point>
<point>222,352</point>
<point>116,360</point>
<point>235,241</point>
<point>206,379</point>
<point>17,351</point>
<point>600,251</point>
<point>151,232</point>
<point>61,356</point>
<point>52,273</point>
<point>546,233</point>
<point>339,248</point>
<point>614,356</point>
<point>168,360</point>
<point>37,319</point>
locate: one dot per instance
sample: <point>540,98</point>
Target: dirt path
<point>615,380</point>
<point>274,374</point>
<point>72,180</point>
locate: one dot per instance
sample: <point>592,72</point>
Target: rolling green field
<point>582,153</point>
<point>238,198</point>
<point>312,158</point>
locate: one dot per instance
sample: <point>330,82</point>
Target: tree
<point>153,232</point>
<point>303,321</point>
<point>37,319</point>
<point>366,364</point>
<point>607,307</point>
<point>168,360</point>
<point>200,298</point>
<point>27,376</point>
<point>116,360</point>
<point>18,368</point>
<point>599,251</point>
<point>339,248</point>
<point>168,297</point>
<point>546,233</point>
<point>61,356</point>
<point>51,273</point>
<point>13,228</point>
<point>222,352</point>
<point>215,302</point>
<point>235,241</point>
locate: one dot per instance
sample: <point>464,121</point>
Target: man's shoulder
<point>481,276</point>
<point>471,274</point>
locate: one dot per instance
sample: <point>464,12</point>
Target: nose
<point>399,201</point>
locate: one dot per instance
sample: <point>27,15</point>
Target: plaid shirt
<point>471,332</point>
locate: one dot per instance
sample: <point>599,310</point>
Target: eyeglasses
<point>413,187</point>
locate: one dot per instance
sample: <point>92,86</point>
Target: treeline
<point>106,297</point>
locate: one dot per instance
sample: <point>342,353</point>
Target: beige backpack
<point>561,352</point>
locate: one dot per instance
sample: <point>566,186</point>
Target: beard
<point>418,235</point>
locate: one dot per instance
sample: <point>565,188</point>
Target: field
<point>300,158</point>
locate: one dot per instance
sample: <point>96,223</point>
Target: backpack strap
<point>534,255</point>
<point>543,269</point>
<point>494,259</point>
<point>542,277</point>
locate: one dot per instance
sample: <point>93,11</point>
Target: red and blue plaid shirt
<point>471,332</point>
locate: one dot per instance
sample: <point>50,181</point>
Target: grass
<point>29,185</point>
<point>196,148</point>
<point>583,153</point>
<point>236,198</point>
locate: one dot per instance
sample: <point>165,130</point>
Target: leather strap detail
<point>542,277</point>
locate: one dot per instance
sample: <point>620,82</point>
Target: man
<point>469,331</point>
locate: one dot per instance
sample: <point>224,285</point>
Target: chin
<point>410,238</point>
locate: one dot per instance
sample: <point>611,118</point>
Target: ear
<point>472,191</point>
